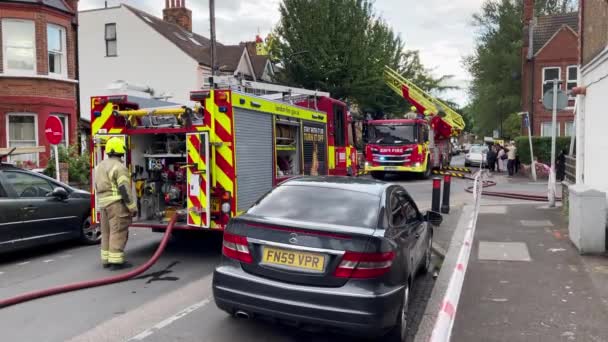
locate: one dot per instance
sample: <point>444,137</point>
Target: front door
<point>99,154</point>
<point>197,145</point>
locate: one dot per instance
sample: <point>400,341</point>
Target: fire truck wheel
<point>377,175</point>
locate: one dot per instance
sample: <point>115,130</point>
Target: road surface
<point>171,302</point>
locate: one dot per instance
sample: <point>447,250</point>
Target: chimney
<point>528,11</point>
<point>176,12</point>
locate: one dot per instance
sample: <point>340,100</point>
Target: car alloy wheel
<point>91,234</point>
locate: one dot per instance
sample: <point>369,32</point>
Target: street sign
<point>562,99</point>
<point>495,134</point>
<point>53,130</point>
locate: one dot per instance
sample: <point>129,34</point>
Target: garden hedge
<point>542,148</point>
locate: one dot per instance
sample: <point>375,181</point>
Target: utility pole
<point>212,34</point>
<point>556,83</point>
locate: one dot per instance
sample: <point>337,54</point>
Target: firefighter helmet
<point>413,108</point>
<point>115,146</point>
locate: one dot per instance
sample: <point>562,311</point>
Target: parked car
<point>37,210</point>
<point>340,253</point>
<point>476,156</point>
<point>466,147</point>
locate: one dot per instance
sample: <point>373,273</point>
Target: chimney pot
<point>166,3</point>
<point>172,3</point>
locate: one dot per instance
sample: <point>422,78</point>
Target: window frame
<point>569,81</point>
<point>108,40</point>
<point>559,77</point>
<point>66,127</point>
<point>63,53</point>
<point>8,132</point>
<point>573,133</point>
<point>6,69</point>
<point>557,126</point>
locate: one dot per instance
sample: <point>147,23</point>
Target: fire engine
<point>415,144</point>
<point>211,162</point>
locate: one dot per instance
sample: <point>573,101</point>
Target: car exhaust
<point>241,314</point>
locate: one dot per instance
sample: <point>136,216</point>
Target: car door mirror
<point>59,193</point>
<point>433,218</point>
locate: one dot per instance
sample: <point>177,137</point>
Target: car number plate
<point>302,260</point>
<point>215,204</point>
<point>389,168</point>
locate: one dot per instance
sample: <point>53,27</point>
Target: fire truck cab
<point>210,162</point>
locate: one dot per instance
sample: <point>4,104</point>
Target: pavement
<point>527,282</point>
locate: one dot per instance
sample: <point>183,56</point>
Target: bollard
<point>445,205</point>
<point>436,194</point>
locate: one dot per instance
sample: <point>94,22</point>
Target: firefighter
<point>117,204</point>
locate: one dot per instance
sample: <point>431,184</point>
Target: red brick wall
<point>561,51</point>
<point>595,28</point>
<point>41,95</point>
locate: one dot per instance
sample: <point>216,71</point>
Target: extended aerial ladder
<point>425,103</point>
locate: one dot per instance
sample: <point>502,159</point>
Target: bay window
<point>19,46</point>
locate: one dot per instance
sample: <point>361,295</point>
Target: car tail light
<point>236,247</point>
<point>364,265</point>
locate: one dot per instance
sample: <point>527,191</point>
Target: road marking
<point>65,256</point>
<point>23,263</point>
<point>170,320</point>
<point>48,260</point>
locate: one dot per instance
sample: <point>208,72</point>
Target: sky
<point>439,29</point>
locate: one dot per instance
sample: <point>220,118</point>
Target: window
<point>56,44</point>
<point>569,129</point>
<point>66,128</point>
<point>549,74</point>
<point>397,207</point>
<point>572,78</point>
<point>545,129</point>
<point>111,46</point>
<point>22,131</point>
<point>28,185</point>
<point>319,204</point>
<point>19,48</point>
<point>339,139</point>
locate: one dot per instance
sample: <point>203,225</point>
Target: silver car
<point>476,156</point>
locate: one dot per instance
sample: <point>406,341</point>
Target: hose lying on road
<point>97,282</point>
<point>511,195</point>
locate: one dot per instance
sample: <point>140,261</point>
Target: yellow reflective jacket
<point>109,175</point>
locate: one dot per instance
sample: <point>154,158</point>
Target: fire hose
<point>511,195</point>
<point>97,282</point>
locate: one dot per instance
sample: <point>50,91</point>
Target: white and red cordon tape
<point>445,319</point>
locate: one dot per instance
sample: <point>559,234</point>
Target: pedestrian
<point>511,159</point>
<point>116,202</point>
<point>560,166</point>
<point>491,158</point>
<point>502,155</point>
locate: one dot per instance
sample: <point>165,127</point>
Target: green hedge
<point>541,146</point>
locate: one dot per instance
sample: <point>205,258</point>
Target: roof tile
<point>547,26</point>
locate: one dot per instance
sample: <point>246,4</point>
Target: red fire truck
<point>211,162</point>
<point>419,143</point>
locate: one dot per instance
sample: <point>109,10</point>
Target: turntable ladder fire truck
<point>211,162</point>
<point>418,143</point>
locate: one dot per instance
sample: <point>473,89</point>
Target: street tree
<point>346,54</point>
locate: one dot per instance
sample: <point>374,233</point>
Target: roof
<point>359,184</point>
<point>56,4</point>
<point>258,62</point>
<point>546,27</point>
<point>195,45</point>
<point>228,56</point>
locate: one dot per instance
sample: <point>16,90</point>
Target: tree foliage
<point>545,7</point>
<point>342,46</point>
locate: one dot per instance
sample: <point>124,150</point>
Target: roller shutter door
<point>253,156</point>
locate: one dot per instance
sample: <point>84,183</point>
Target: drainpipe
<point>77,74</point>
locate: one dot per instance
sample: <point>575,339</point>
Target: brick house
<point>550,50</point>
<point>38,73</point>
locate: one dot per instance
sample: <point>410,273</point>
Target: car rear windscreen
<point>319,204</point>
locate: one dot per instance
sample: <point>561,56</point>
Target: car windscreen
<point>320,205</point>
<point>477,149</point>
<point>392,134</point>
